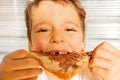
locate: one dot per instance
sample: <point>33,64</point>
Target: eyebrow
<point>42,22</point>
<point>77,25</point>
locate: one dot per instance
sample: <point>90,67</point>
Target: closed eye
<point>43,30</point>
<point>70,29</point>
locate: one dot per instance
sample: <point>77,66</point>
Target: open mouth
<point>58,53</point>
<point>53,52</point>
<point>89,53</point>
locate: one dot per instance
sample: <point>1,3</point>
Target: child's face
<point>56,28</point>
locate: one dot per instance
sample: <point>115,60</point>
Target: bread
<point>63,65</point>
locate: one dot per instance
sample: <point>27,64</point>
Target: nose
<point>57,37</point>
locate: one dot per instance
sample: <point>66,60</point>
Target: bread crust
<point>65,75</point>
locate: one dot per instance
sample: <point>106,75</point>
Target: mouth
<point>58,52</point>
<point>55,52</point>
<point>89,53</point>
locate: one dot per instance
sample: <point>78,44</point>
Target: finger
<point>111,47</point>
<point>23,74</point>
<point>18,54</point>
<point>33,78</point>
<point>101,63</point>
<point>99,72</point>
<point>22,64</point>
<point>103,51</point>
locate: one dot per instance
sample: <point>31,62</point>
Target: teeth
<point>52,53</point>
<point>55,53</point>
<point>60,52</point>
<point>65,52</point>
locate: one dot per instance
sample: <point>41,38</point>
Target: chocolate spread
<point>66,60</point>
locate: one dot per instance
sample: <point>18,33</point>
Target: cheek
<point>37,45</point>
<point>77,43</point>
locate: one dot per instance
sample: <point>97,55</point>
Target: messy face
<point>56,28</point>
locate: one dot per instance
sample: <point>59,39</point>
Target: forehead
<point>56,4</point>
<point>49,10</point>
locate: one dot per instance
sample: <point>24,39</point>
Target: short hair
<point>76,3</point>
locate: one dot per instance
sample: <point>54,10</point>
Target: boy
<point>58,25</point>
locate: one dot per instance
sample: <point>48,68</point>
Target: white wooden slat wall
<point>12,25</point>
<point>103,23</point>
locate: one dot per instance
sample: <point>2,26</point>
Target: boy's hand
<point>19,65</point>
<point>105,62</point>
